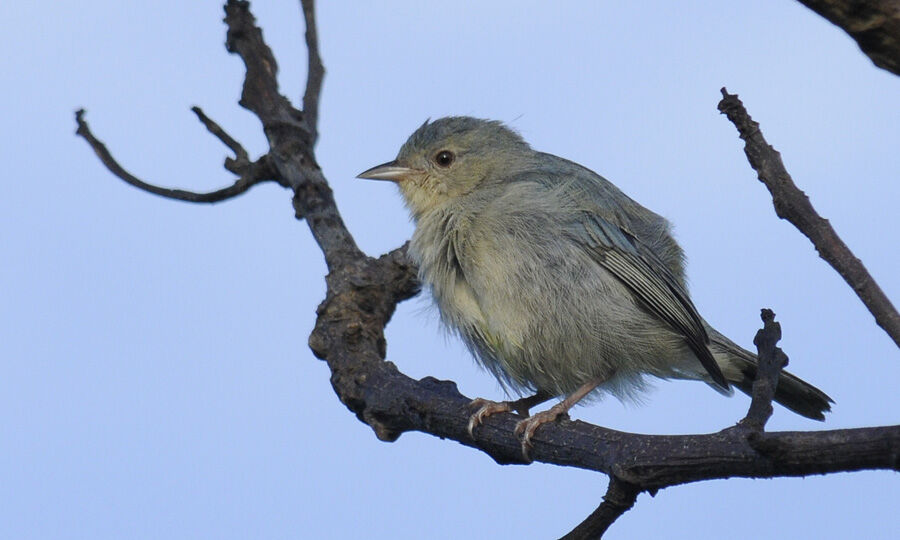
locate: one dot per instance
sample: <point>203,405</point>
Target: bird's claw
<point>486,408</point>
<point>526,428</point>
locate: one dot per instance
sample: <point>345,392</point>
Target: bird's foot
<point>486,408</point>
<point>526,428</point>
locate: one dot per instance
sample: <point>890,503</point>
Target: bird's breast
<point>437,247</point>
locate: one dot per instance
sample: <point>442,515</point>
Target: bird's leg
<point>487,407</point>
<point>527,427</point>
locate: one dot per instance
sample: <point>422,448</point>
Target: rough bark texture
<point>619,498</point>
<point>771,361</point>
<point>874,24</point>
<point>793,205</point>
<point>363,291</point>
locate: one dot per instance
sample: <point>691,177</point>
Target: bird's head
<point>449,158</point>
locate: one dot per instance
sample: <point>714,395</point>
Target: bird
<point>558,283</point>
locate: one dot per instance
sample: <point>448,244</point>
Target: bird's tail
<point>739,367</point>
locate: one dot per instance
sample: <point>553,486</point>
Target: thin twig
<point>254,173</point>
<point>315,70</point>
<point>771,361</point>
<point>793,205</point>
<point>240,155</point>
<point>620,497</point>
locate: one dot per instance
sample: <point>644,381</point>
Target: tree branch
<point>251,173</point>
<point>793,205</point>
<point>291,138</point>
<point>874,24</point>
<point>620,497</point>
<point>315,70</point>
<point>240,155</point>
<point>348,338</point>
<point>771,361</point>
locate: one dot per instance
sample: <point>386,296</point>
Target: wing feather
<point>620,252</point>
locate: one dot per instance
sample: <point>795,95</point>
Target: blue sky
<point>156,380</point>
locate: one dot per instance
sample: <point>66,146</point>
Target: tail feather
<point>792,391</point>
<point>740,366</point>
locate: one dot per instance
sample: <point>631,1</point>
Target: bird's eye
<point>444,158</point>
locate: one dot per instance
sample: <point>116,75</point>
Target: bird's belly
<point>555,332</point>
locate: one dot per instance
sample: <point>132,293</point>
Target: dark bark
<point>771,361</point>
<point>874,24</point>
<point>793,205</point>
<point>619,498</point>
<point>250,173</point>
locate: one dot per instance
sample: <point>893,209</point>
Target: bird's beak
<point>388,171</point>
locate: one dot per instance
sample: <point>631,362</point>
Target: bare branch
<point>359,301</point>
<point>620,497</point>
<point>793,205</point>
<point>315,70</point>
<point>252,173</point>
<point>348,336</point>
<point>874,24</point>
<point>240,155</point>
<point>771,361</point>
<point>291,138</point>
<point>260,93</point>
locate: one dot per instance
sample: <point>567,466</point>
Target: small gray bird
<point>559,283</point>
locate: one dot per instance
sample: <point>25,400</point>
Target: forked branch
<point>251,173</point>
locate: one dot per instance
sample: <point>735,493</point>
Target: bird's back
<point>597,195</point>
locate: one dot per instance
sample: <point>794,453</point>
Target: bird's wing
<point>632,262</point>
